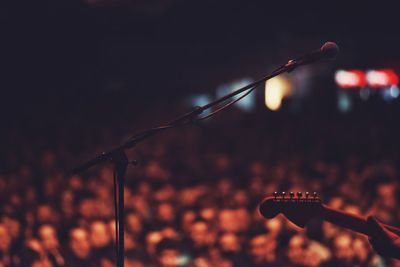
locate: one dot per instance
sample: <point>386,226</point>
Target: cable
<point>251,89</point>
<point>177,123</point>
<point>227,105</point>
<point>187,119</point>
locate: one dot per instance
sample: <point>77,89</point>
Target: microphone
<point>328,51</point>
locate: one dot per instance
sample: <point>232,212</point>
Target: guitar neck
<point>350,221</point>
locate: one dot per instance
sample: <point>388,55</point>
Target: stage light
<point>391,93</point>
<point>344,102</point>
<point>382,78</point>
<point>199,100</point>
<point>246,104</point>
<point>276,89</point>
<point>394,91</point>
<point>347,79</point>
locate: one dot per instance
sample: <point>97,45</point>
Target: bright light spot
<point>247,103</point>
<point>394,91</point>
<point>350,78</point>
<point>200,100</point>
<point>276,89</point>
<point>382,78</point>
<point>377,78</point>
<point>344,102</point>
<point>390,93</point>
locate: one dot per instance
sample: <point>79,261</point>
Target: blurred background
<point>81,76</point>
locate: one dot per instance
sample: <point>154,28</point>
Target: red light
<point>347,79</point>
<point>382,78</point>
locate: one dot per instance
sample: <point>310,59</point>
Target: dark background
<point>99,59</point>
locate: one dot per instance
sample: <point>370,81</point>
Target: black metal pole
<point>121,162</point>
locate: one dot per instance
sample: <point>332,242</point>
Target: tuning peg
<point>299,195</point>
<point>283,195</point>
<point>315,195</point>
<point>307,195</point>
<point>291,195</point>
<point>276,194</point>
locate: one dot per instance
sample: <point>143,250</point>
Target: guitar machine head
<point>297,207</point>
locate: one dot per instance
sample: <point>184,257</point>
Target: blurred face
<point>67,202</point>
<point>67,197</point>
<point>45,214</point>
<point>257,168</point>
<point>256,185</point>
<point>166,212</point>
<point>261,246</point>
<point>99,234</point>
<point>130,243</point>
<point>164,194</point>
<point>187,220</point>
<point>79,243</point>
<point>330,230</point>
<point>274,226</point>
<point>386,194</point>
<point>229,242</point>
<point>169,232</point>
<point>228,221</point>
<point>104,193</point>
<point>5,238</point>
<point>343,247</point>
<point>352,209</point>
<point>169,258</point>
<point>152,239</point>
<point>140,204</point>
<point>315,254</point>
<point>242,219</point>
<point>133,223</point>
<point>75,182</point>
<point>241,198</point>
<point>13,226</point>
<point>208,213</point>
<point>224,186</point>
<point>144,188</point>
<point>360,249</point>
<point>296,249</point>
<point>48,236</point>
<point>199,233</point>
<point>154,170</point>
<point>87,208</point>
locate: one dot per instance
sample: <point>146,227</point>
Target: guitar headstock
<point>297,207</point>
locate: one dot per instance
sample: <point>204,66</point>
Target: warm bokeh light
<point>276,89</point>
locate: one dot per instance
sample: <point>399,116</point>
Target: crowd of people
<point>193,198</point>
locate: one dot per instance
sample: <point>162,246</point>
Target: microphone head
<point>330,50</point>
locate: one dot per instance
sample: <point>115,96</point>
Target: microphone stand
<point>119,159</point>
